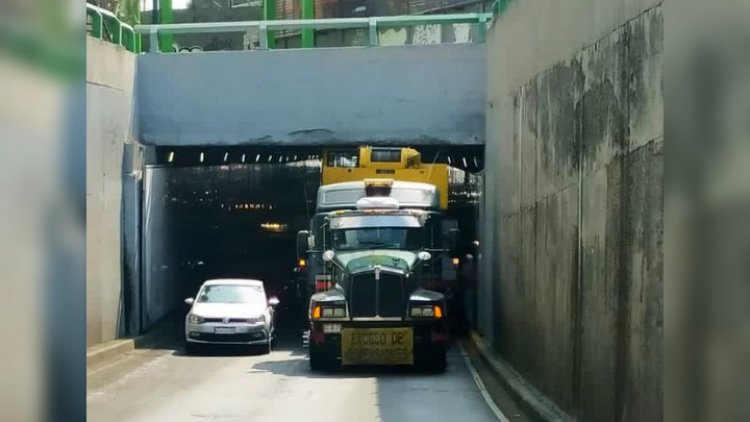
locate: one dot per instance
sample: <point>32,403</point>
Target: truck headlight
<point>426,311</point>
<point>328,311</point>
<point>196,319</point>
<point>334,312</point>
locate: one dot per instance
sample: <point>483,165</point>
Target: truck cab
<point>374,246</point>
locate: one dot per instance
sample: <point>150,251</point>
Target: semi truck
<point>375,254</point>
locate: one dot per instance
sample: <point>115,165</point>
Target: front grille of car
<point>370,298</point>
<point>221,320</point>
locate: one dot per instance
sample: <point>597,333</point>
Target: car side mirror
<point>273,301</point>
<point>189,301</point>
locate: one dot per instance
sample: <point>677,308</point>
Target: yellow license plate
<point>377,346</point>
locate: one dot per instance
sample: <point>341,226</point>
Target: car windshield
<point>224,293</point>
<point>377,238</point>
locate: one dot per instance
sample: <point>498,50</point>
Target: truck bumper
<point>429,338</point>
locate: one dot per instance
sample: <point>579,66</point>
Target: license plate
<point>377,346</point>
<point>224,330</point>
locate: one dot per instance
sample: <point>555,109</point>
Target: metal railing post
<point>308,13</point>
<point>154,40</point>
<point>263,36</point>
<point>373,32</point>
<point>269,14</point>
<point>482,30</point>
<point>166,16</point>
<point>96,23</point>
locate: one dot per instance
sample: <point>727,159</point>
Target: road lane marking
<point>480,385</point>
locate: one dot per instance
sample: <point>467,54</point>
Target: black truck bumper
<point>430,339</point>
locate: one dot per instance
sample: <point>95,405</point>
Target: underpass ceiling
<point>467,158</point>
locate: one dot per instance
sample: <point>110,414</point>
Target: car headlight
<point>256,320</point>
<point>196,319</point>
<point>426,311</point>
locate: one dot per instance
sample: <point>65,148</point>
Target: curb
<point>106,352</point>
<point>532,401</point>
<point>102,353</point>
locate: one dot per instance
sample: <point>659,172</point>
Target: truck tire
<point>319,362</point>
<point>440,363</point>
<point>435,363</point>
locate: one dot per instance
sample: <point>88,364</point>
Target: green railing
<point>499,6</point>
<point>372,24</point>
<point>106,26</point>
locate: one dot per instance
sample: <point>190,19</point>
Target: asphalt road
<point>233,385</point>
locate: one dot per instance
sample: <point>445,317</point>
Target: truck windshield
<point>377,238</point>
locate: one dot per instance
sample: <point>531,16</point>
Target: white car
<point>230,311</point>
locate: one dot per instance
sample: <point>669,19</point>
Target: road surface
<point>232,385</point>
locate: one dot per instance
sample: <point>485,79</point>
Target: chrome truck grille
<point>377,298</point>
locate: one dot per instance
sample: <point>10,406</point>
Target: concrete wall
<point>109,94</point>
<point>574,202</point>
<point>414,95</point>
<point>161,277</point>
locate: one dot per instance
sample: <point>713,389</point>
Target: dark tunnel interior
<point>216,218</point>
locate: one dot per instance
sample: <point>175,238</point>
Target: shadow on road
<point>297,365</point>
<point>287,341</point>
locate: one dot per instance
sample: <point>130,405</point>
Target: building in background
<point>244,10</point>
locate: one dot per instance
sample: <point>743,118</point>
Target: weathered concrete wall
<point>400,95</point>
<point>574,252</point>
<point>109,94</point>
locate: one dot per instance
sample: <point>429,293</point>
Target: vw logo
<point>226,320</point>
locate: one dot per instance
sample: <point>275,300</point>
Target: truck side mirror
<point>302,236</point>
<point>453,235</point>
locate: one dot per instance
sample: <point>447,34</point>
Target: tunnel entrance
<point>234,213</point>
<point>221,221</point>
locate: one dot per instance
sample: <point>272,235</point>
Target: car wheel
<point>190,348</point>
<point>269,346</point>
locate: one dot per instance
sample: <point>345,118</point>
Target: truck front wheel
<point>319,361</point>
